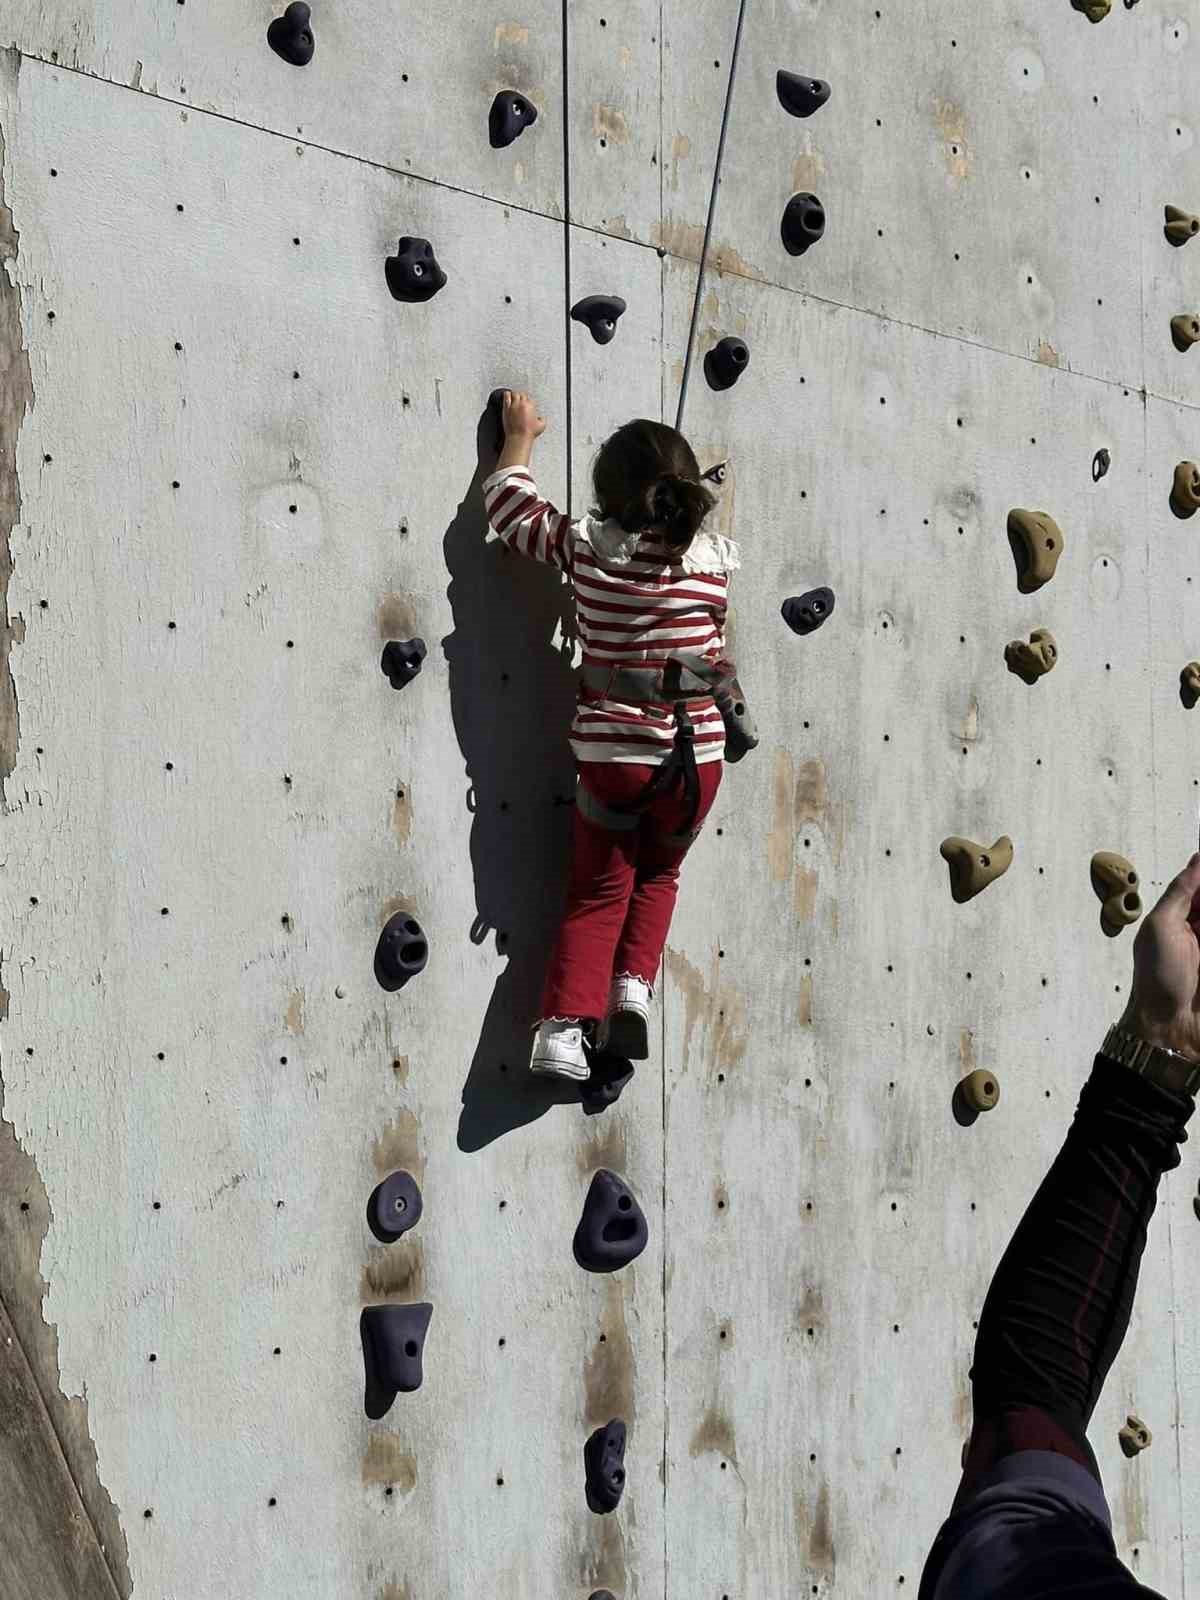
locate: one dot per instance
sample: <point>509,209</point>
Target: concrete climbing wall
<point>232,467</point>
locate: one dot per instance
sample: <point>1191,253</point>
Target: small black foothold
<point>290,35</point>
<point>393,1342</point>
<point>599,312</point>
<point>401,661</point>
<point>604,1466</point>
<point>401,953</point>
<point>612,1231</point>
<point>805,613</point>
<point>413,273</point>
<point>510,115</point>
<point>800,96</point>
<point>610,1074</point>
<point>1101,462</point>
<point>394,1207</point>
<point>725,362</point>
<point>803,223</point>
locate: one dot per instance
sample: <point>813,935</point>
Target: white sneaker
<point>625,1029</point>
<point>558,1051</point>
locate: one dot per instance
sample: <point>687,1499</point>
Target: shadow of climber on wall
<point>509,682</point>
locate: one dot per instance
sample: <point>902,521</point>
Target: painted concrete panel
<point>243,467</point>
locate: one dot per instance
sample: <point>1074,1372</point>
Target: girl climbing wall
<point>649,737</point>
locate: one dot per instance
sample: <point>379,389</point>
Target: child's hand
<point>521,416</point>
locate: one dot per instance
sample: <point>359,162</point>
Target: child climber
<point>648,736</point>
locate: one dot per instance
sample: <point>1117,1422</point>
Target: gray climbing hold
<point>725,362</point>
<point>800,96</point>
<point>803,223</point>
<point>612,1231</point>
<point>401,953</point>
<point>395,1206</point>
<point>393,1342</point>
<point>604,1467</point>
<point>599,314</point>
<point>291,37</point>
<point>401,661</point>
<point>412,273</point>
<point>510,115</point>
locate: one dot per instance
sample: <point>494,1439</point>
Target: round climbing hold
<point>725,362</point>
<point>1134,1437</point>
<point>401,661</point>
<point>510,115</point>
<point>401,953</point>
<point>1184,499</point>
<point>1180,225</point>
<point>394,1207</point>
<point>1189,684</point>
<point>599,314</point>
<point>290,35</point>
<point>803,223</point>
<point>980,1091</point>
<point>806,612</point>
<point>800,96</point>
<point>1185,330</point>
<point>604,1467</point>
<point>1093,10</point>
<point>412,273</point>
<point>1033,660</point>
<point>1115,882</point>
<point>393,1344</point>
<point>1101,462</point>
<point>612,1231</point>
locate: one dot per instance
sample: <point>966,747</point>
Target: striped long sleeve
<point>634,613</point>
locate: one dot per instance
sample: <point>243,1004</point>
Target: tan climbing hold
<point>1115,882</point>
<point>1033,660</point>
<point>1185,489</point>
<point>980,1090</point>
<point>1093,10</point>
<point>973,866</point>
<point>1185,330</point>
<point>1037,543</point>
<point>1135,1436</point>
<point>1181,225</point>
<point>1189,684</point>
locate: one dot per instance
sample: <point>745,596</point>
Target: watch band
<point>1173,1071</point>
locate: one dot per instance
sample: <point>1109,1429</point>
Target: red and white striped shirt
<point>633,607</point>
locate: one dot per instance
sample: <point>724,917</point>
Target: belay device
<point>687,680</point>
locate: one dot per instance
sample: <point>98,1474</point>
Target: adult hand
<point>1164,1006</point>
<point>521,416</point>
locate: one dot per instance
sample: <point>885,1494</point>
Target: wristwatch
<point>1173,1071</point>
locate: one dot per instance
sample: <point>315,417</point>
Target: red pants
<point>622,889</point>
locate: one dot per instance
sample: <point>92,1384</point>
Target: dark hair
<point>646,475</point>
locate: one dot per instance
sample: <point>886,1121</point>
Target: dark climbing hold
<point>599,312</point>
<point>402,660</point>
<point>612,1231</point>
<point>725,362</point>
<point>601,1594</point>
<point>393,1342</point>
<point>800,96</point>
<point>610,1074</point>
<point>394,1207</point>
<point>1101,462</point>
<point>604,1466</point>
<point>401,953</point>
<point>805,613</point>
<point>510,115</point>
<point>803,223</point>
<point>413,273</point>
<point>290,35</point>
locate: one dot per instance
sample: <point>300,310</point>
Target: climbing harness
<point>686,681</point>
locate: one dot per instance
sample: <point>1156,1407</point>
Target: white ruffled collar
<point>708,551</point>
